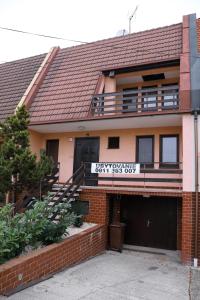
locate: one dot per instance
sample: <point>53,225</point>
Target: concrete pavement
<point>129,275</point>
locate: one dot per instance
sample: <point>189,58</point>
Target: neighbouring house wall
<point>185,70</point>
<point>199,146</point>
<point>194,63</point>
<point>189,205</point>
<point>190,88</point>
<point>188,153</point>
<point>126,152</point>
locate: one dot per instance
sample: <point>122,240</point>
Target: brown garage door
<point>150,222</point>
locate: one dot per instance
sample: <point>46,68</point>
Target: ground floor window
<point>169,151</point>
<point>145,150</point>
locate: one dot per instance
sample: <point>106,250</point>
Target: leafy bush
<point>77,209</point>
<point>13,237</point>
<point>31,227</point>
<point>78,221</point>
<point>52,233</point>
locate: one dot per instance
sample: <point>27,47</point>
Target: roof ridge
<point>94,42</point>
<point>121,37</point>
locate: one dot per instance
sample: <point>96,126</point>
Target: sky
<point>83,20</point>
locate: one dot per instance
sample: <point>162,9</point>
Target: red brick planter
<point>20,272</point>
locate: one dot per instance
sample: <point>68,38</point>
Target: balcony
<point>157,176</point>
<point>137,101</point>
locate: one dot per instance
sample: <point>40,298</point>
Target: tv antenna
<point>131,17</point>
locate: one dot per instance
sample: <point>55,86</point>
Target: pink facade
<point>126,152</point>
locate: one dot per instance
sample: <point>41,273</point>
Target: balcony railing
<point>136,101</point>
<point>158,175</point>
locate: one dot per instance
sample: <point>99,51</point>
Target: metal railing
<point>137,101</point>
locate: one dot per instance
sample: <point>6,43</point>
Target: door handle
<point>148,223</point>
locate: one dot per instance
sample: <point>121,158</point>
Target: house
<point>127,100</point>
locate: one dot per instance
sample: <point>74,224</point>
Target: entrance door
<point>87,150</point>
<point>150,222</point>
<point>52,150</point>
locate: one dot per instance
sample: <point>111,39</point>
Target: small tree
<point>19,168</point>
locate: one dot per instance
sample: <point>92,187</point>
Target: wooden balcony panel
<point>137,101</point>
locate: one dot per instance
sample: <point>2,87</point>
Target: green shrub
<point>78,221</point>
<point>13,237</point>
<point>31,227</point>
<point>52,233</point>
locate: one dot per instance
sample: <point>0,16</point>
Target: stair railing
<point>71,187</point>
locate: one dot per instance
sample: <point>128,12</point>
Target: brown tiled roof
<point>67,89</point>
<point>15,77</point>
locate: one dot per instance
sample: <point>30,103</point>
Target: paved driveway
<point>112,276</point>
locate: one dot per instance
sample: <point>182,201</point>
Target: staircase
<point>51,179</point>
<point>59,193</point>
<point>67,192</point>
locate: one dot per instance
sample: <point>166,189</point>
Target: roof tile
<point>15,77</point>
<point>72,77</point>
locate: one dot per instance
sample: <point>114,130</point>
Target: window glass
<point>145,149</point>
<point>169,149</point>
<point>113,142</point>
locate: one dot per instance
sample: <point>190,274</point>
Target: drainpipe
<point>196,188</point>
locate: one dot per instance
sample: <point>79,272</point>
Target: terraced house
<point>120,117</point>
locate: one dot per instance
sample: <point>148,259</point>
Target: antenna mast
<point>131,17</point>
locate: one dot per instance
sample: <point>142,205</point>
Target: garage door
<point>150,222</point>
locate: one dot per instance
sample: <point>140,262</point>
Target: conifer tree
<point>19,168</point>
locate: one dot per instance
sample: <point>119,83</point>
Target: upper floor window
<point>145,150</point>
<point>169,151</point>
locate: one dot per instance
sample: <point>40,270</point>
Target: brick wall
<point>99,202</point>
<point>98,205</point>
<point>99,213</point>
<point>53,258</point>
<point>188,227</point>
<point>179,224</point>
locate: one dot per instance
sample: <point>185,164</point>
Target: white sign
<point>115,168</point>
